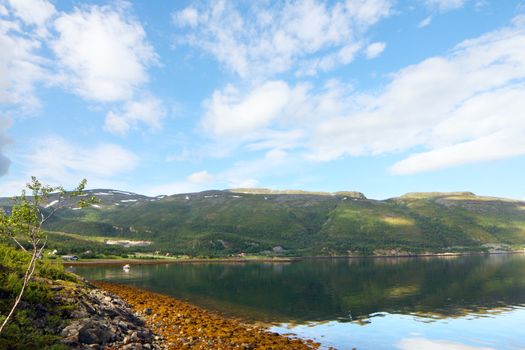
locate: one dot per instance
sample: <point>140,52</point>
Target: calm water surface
<point>475,302</point>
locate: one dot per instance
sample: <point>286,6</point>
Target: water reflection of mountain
<point>317,290</point>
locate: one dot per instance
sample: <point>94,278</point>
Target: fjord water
<point>468,302</point>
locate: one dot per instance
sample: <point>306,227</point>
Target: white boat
<point>126,267</point>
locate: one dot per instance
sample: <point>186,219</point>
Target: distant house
<point>69,257</point>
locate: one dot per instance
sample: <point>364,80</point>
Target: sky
<point>161,97</point>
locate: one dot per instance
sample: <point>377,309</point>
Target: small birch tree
<point>24,224</point>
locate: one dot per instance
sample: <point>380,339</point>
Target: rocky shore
<point>99,320</point>
<point>180,325</point>
<point>81,315</point>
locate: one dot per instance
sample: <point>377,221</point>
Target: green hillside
<point>266,222</point>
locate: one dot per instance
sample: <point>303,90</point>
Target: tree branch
<point>20,245</point>
<point>59,205</point>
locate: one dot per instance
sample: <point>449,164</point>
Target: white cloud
<point>246,183</point>
<point>4,140</point>
<point>479,5</point>
<point>460,108</point>
<point>148,110</point>
<point>57,161</point>
<point>187,17</point>
<point>172,188</point>
<point>368,12</point>
<point>485,127</point>
<point>33,12</point>
<point>502,144</point>
<point>12,188</point>
<point>242,174</point>
<point>195,182</point>
<point>425,22</point>
<point>438,103</point>
<point>375,49</point>
<point>101,54</point>
<point>248,173</point>
<point>103,51</point>
<point>446,5</point>
<point>4,164</point>
<point>231,114</point>
<point>276,139</point>
<point>271,115</point>
<point>201,177</point>
<point>184,155</point>
<point>21,67</point>
<point>327,62</point>
<point>3,11</point>
<point>262,41</point>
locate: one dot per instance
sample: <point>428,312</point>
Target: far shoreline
<point>160,261</point>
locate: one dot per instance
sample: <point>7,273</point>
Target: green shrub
<point>21,332</point>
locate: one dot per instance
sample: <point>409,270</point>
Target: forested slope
<point>270,222</point>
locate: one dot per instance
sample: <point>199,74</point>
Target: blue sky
<point>162,97</point>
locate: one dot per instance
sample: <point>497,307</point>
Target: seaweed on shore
<point>185,326</point>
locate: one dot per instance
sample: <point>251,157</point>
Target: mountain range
<point>298,223</point>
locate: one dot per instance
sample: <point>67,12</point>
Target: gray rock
<point>102,320</point>
<point>123,325</point>
<point>134,337</point>
<point>71,332</point>
<point>95,333</point>
<point>108,311</point>
<point>79,313</point>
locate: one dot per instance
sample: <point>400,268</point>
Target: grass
<point>36,321</point>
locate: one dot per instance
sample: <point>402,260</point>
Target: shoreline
<point>271,260</point>
<point>170,261</point>
<point>182,325</point>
